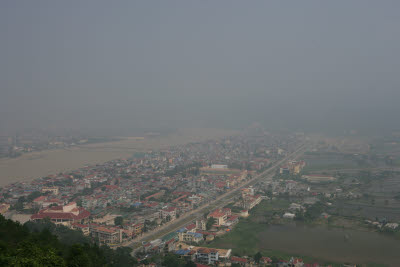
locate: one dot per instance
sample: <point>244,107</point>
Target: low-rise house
<point>190,237</point>
<point>288,215</point>
<point>238,260</point>
<point>84,228</point>
<point>201,225</point>
<point>137,228</point>
<point>207,255</point>
<point>191,227</point>
<point>232,220</point>
<point>297,262</point>
<point>168,212</point>
<point>39,201</point>
<point>250,201</point>
<point>53,190</point>
<point>52,202</point>
<point>4,208</point>
<point>170,245</point>
<point>220,215</point>
<point>265,261</point>
<point>392,225</point>
<point>295,207</point>
<point>106,235</point>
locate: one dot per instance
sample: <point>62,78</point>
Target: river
<point>37,164</point>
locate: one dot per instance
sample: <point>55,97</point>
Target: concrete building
<point>190,237</point>
<point>106,235</point>
<point>53,190</point>
<point>137,228</point>
<point>82,227</point>
<point>207,255</point>
<point>65,215</point>
<point>288,215</point>
<point>171,212</point>
<point>219,216</point>
<point>201,225</point>
<point>250,202</point>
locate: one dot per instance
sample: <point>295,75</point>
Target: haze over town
<point>199,133</point>
<point>121,67</point>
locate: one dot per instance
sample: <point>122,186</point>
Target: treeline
<point>44,244</point>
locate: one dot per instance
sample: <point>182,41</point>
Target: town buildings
<point>65,215</point>
<point>106,235</point>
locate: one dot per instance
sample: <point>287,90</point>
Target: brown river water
<point>37,164</point>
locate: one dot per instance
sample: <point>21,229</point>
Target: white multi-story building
<point>207,255</point>
<point>171,212</point>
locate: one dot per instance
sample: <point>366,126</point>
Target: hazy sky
<point>134,64</point>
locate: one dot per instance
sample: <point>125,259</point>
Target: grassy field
<point>328,161</point>
<point>251,227</point>
<point>251,235</point>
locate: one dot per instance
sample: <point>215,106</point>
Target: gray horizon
<point>121,66</point>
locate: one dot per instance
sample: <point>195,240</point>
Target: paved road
<point>220,201</point>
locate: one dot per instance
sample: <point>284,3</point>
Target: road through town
<point>220,201</point>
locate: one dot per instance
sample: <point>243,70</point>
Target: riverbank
<point>38,164</point>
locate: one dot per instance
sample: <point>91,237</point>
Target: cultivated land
<point>37,164</point>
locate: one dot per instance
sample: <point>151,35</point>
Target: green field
<point>249,227</point>
<point>327,161</point>
<point>257,233</point>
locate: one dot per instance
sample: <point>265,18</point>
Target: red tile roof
<point>80,225</point>
<point>169,209</point>
<point>217,214</point>
<point>190,226</point>
<point>207,250</point>
<point>237,259</point>
<point>83,214</point>
<point>41,198</point>
<point>105,229</point>
<point>170,241</point>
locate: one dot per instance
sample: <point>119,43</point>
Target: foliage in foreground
<point>36,245</point>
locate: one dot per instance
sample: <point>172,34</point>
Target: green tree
<point>171,260</point>
<point>33,195</point>
<point>210,222</point>
<point>77,257</point>
<point>19,205</point>
<point>274,259</point>
<point>190,264</point>
<point>44,244</point>
<point>123,257</point>
<point>30,254</point>
<point>118,220</point>
<point>257,257</point>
